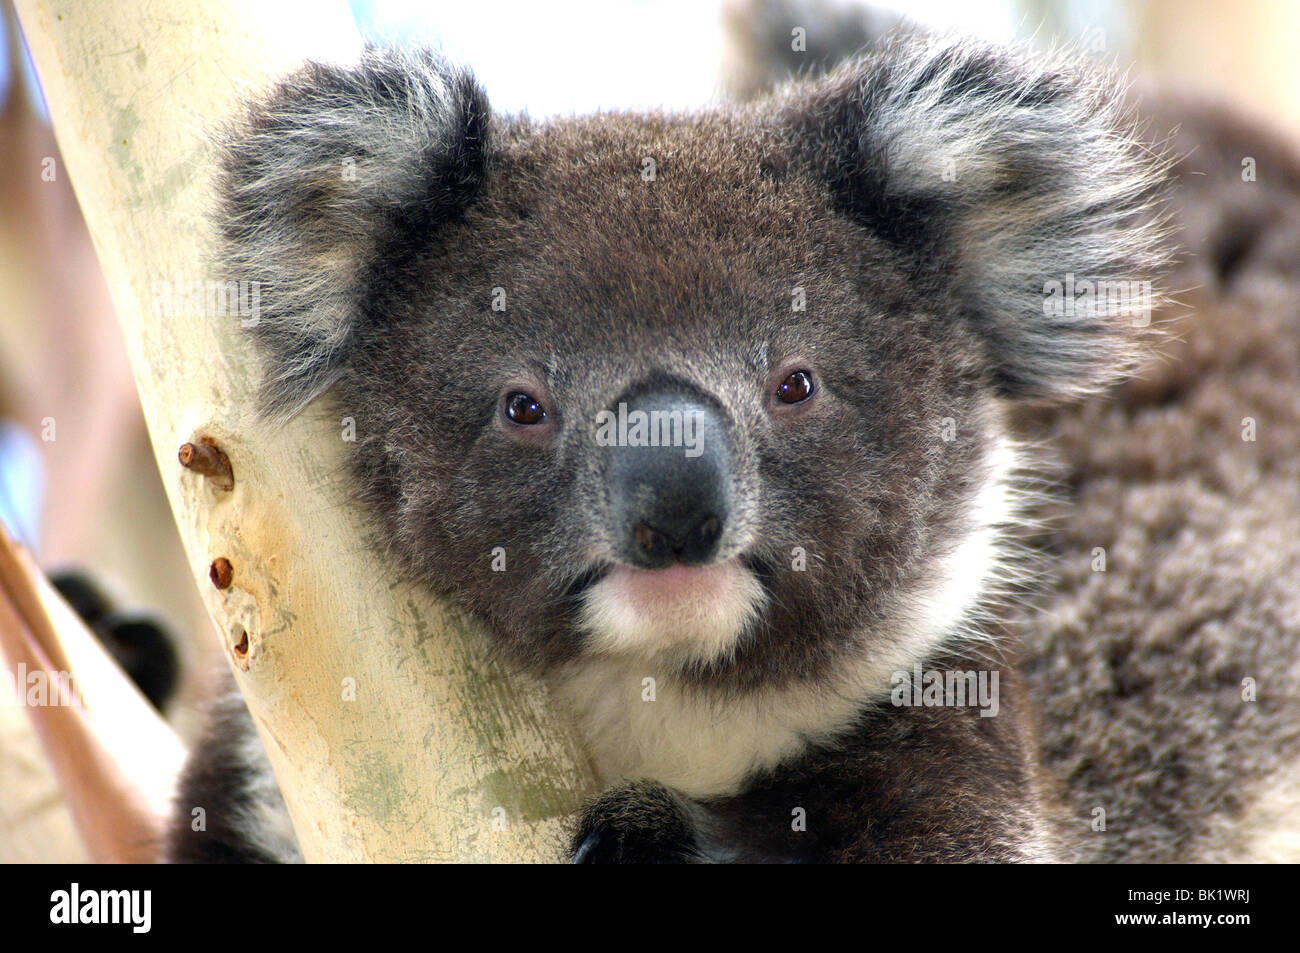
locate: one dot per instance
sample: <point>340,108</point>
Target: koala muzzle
<point>669,471</point>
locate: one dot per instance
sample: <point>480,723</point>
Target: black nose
<point>669,470</point>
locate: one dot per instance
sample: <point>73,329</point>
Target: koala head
<point>722,388</point>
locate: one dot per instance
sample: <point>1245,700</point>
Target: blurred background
<point>78,484</point>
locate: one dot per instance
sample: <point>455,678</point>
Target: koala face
<point>828,294</point>
<point>807,438</point>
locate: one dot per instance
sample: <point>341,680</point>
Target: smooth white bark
<point>392,736</point>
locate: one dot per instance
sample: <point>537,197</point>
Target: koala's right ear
<point>337,172</point>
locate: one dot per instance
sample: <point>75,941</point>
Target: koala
<point>744,394</point>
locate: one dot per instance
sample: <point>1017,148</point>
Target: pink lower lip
<point>650,586</point>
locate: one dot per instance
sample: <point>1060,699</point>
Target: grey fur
<point>316,178</point>
<point>922,198</point>
<point>999,176</point>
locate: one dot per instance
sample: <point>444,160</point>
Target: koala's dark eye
<point>524,409</point>
<point>797,387</point>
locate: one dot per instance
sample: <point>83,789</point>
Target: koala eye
<point>796,388</point>
<point>524,409</point>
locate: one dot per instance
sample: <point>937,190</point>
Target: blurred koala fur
<point>1138,670</point>
<point>1140,674</point>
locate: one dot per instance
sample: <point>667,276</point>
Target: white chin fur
<point>696,613</point>
<point>689,740</point>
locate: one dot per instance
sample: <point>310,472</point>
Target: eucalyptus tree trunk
<point>391,734</point>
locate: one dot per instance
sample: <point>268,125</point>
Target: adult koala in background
<point>838,290</point>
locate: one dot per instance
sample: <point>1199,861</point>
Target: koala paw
<point>640,823</point>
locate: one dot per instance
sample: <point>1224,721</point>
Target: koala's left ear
<point>337,175</point>
<point>1009,179</point>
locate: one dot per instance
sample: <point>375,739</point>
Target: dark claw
<point>588,852</point>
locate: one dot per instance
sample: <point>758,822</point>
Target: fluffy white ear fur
<point>1007,175</point>
<point>319,177</point>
